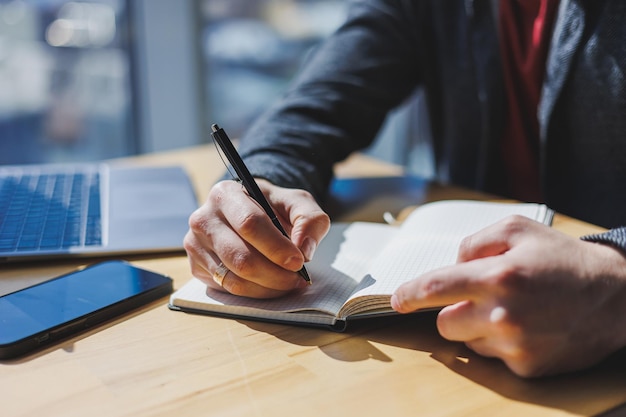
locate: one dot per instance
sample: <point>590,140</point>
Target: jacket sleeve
<point>339,100</point>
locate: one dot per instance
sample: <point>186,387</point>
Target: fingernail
<point>293,264</point>
<point>308,248</point>
<point>394,303</point>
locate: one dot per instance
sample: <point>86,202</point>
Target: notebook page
<point>429,238</point>
<point>339,267</point>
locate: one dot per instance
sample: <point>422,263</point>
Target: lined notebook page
<point>429,238</point>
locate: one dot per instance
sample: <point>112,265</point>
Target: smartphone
<point>37,316</point>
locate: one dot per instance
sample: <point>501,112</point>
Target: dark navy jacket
<point>450,48</point>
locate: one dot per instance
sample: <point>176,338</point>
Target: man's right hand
<point>232,230</point>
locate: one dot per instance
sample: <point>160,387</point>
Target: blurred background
<point>89,80</point>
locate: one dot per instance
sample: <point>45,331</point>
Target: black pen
<point>220,136</point>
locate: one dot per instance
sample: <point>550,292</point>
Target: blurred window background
<point>252,49</point>
<point>86,80</point>
<point>98,79</point>
<point>65,91</point>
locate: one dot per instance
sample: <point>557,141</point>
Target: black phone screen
<point>63,305</point>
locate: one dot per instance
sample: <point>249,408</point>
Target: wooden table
<point>155,362</point>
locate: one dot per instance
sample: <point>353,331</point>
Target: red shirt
<point>525,32</point>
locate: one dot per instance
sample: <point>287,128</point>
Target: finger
<point>493,240</point>
<point>229,281</point>
<point>506,349</point>
<point>467,320</point>
<point>466,281</point>
<point>209,242</point>
<point>196,245</point>
<point>253,225</point>
<point>461,322</point>
<point>238,286</point>
<point>308,222</point>
<point>250,265</point>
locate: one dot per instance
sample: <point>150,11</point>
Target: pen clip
<point>234,177</point>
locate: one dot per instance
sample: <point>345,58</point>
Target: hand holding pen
<point>243,175</point>
<point>248,243</point>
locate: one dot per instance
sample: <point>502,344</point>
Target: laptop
<point>78,210</point>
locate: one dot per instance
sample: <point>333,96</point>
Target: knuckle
<point>507,276</point>
<point>189,244</point>
<point>198,221</point>
<point>321,219</point>
<point>466,244</point>
<point>219,190</point>
<point>249,223</point>
<point>316,222</point>
<point>196,248</point>
<point>432,288</point>
<point>300,193</point>
<point>514,223</point>
<point>241,264</point>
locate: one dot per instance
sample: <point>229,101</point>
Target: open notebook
<point>68,210</point>
<point>359,265</point>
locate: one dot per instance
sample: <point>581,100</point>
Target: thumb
<point>310,225</point>
<point>308,222</point>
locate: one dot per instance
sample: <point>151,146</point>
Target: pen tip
<point>304,274</point>
<point>215,127</point>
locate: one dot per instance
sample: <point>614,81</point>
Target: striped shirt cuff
<point>614,237</point>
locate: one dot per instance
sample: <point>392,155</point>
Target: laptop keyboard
<point>49,211</point>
